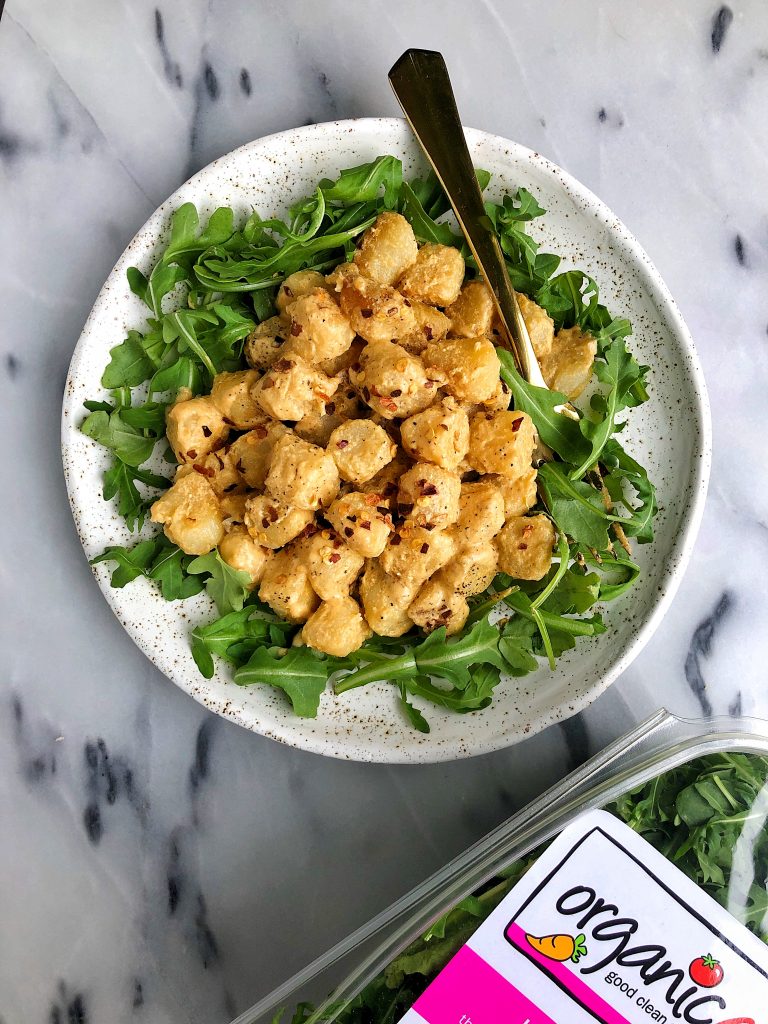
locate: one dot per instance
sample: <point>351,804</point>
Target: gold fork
<point>423,88</point>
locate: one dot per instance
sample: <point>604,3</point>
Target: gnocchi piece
<point>333,565</point>
<point>252,452</point>
<point>387,248</point>
<point>375,311</point>
<point>435,276</point>
<point>194,428</point>
<point>360,449</point>
<point>220,471</point>
<point>272,523</point>
<point>296,285</point>
<point>481,512</point>
<point>385,484</point>
<point>263,345</point>
<point>233,510</point>
<point>501,442</point>
<point>318,426</point>
<point>240,550</point>
<point>472,570</point>
<point>341,364</point>
<point>525,547</point>
<point>292,388</point>
<point>319,330</point>
<point>232,394</point>
<point>415,553</point>
<point>341,275</point>
<point>568,366</point>
<point>358,519</point>
<point>285,586</point>
<point>385,601</point>
<point>302,474</point>
<point>337,627</point>
<point>472,313</point>
<point>429,495</point>
<point>431,325</point>
<point>518,492</point>
<point>470,365</point>
<point>541,326</point>
<point>391,381</point>
<point>190,515</point>
<point>499,400</point>
<point>436,605</point>
<point>439,434</point>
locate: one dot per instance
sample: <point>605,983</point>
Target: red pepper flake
<point>428,332</point>
<point>265,522</point>
<point>283,364</point>
<point>260,432</point>
<point>392,310</point>
<point>504,388</point>
<point>309,530</point>
<point>204,471</point>
<point>428,489</point>
<point>352,519</point>
<point>396,393</point>
<point>516,424</point>
<point>522,547</point>
<point>268,383</point>
<point>239,466</point>
<point>336,542</point>
<point>382,510</point>
<point>443,426</point>
<point>365,524</point>
<point>446,614</point>
<point>429,384</point>
<point>388,404</point>
<point>287,291</point>
<point>348,531</point>
<point>424,548</point>
<point>206,431</point>
<point>334,557</point>
<point>407,302</point>
<point>366,314</point>
<point>330,408</point>
<point>296,329</point>
<point>395,539</point>
<point>272,513</point>
<point>192,454</point>
<point>342,444</point>
<point>219,460</point>
<point>372,499</point>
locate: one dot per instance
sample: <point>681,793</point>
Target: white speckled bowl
<point>670,434</point>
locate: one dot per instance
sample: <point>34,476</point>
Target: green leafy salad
<point>694,815</point>
<point>214,287</point>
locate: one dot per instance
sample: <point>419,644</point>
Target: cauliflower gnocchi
<point>366,472</point>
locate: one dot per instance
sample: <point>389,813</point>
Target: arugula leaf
<point>234,631</point>
<point>120,481</point>
<point>301,672</point>
<point>227,587</point>
<point>128,443</point>
<point>162,280</point>
<point>623,469</point>
<point>437,655</point>
<point>424,226</point>
<point>359,184</point>
<point>157,559</point>
<point>621,372</point>
<point>576,506</point>
<point>130,363</point>
<point>412,713</point>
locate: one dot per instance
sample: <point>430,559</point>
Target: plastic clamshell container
<point>662,743</point>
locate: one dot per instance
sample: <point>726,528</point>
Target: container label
<point>602,928</point>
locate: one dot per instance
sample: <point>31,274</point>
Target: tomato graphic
<point>706,971</point>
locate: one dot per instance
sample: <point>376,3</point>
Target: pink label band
<point>470,991</point>
<point>565,978</point>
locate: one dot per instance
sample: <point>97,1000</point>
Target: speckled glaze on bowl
<point>670,435</point>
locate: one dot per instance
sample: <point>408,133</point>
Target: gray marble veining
<point>156,863</point>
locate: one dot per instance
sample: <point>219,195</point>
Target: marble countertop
<point>156,863</point>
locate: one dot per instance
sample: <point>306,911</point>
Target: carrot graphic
<point>559,947</point>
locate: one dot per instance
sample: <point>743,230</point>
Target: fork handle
<point>422,86</point>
